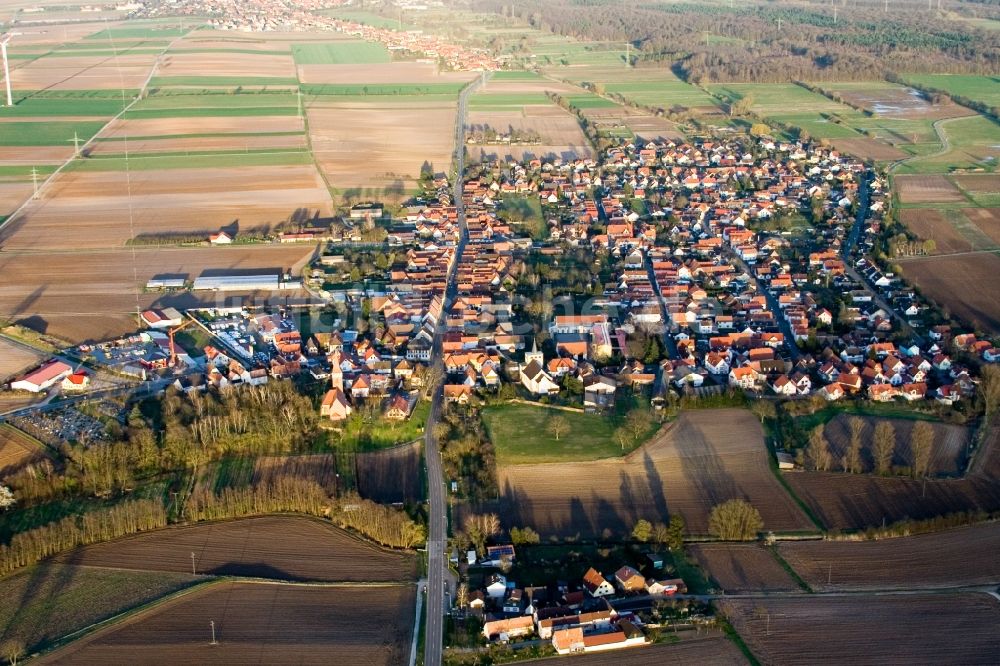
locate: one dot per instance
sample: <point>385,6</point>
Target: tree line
<point>103,524</point>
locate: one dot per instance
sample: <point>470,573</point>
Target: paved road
<point>772,304</point>
<point>864,194</point>
<point>438,575</point>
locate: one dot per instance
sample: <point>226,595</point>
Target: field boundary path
<point>438,575</point>
<point>142,91</point>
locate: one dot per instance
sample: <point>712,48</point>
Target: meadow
<point>340,53</point>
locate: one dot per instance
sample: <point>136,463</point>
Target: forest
<point>771,42</point>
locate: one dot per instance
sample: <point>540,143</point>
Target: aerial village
<point>659,270</point>
<point>700,252</point>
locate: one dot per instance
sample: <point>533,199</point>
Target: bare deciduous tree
<point>558,426</point>
<point>852,457</point>
<point>883,446</point>
<point>921,445</point>
<point>818,451</point>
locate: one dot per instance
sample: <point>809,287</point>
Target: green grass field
<point>381,433</point>
<point>520,435</point>
<point>217,160</point>
<point>985,89</point>
<point>974,143</point>
<point>341,53</point>
<point>51,133</point>
<point>40,106</point>
<point>651,86</point>
<point>589,101</point>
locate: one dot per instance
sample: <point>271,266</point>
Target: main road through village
<point>438,576</point>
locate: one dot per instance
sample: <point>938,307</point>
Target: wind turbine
<point>6,68</point>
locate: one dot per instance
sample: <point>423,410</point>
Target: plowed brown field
<point>705,458</point>
<point>391,475</point>
<point>958,557</point>
<point>278,547</point>
<point>17,450</point>
<point>857,501</point>
<point>986,220</point>
<point>869,149</point>
<point>381,148</point>
<point>910,629</point>
<point>559,131</point>
<point>709,648</point>
<point>227,64</point>
<point>91,210</point>
<point>969,285</point>
<point>150,127</point>
<point>259,624</point>
<point>91,295</point>
<point>932,224</point>
<point>925,189</point>
<point>14,359</point>
<point>84,73</point>
<point>743,568</point>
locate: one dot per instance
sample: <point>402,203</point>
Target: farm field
<point>946,281</point>
<point>222,65</point>
<point>166,128</point>
<point>712,648</point>
<point>974,142</point>
<point>352,52</point>
<point>984,89</point>
<point>956,557</point>
<point>97,293</point>
<point>374,76</point>
<point>259,623</point>
<point>15,359</point>
<point>892,100</point>
<point>743,568</point>
<point>931,223</point>
<point>929,628</point>
<point>375,148</point>
<point>17,449</point>
<point>391,475</point>
<point>558,130</point>
<point>924,189</point>
<point>50,600</point>
<point>868,149</point>
<point>277,547</point>
<point>102,209</point>
<point>657,87</point>
<point>84,72</point>
<point>947,457</point>
<point>858,501</point>
<point>986,220</point>
<point>703,459</point>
